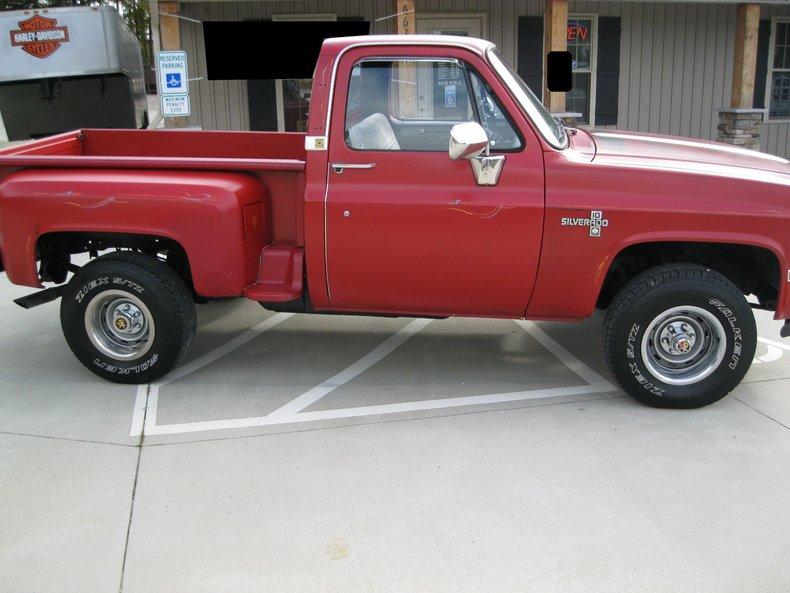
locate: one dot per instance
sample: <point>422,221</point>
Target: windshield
<point>551,129</point>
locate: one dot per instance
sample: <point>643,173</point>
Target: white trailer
<point>69,68</point>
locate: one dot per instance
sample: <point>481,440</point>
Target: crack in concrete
<point>751,407</point>
<point>67,439</point>
<point>139,446</point>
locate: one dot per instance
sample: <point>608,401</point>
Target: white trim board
<point>770,70</point>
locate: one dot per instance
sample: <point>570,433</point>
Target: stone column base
<point>741,127</point>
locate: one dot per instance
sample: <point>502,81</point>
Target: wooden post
<point>170,39</point>
<point>555,38</point>
<point>748,23</point>
<point>405,24</point>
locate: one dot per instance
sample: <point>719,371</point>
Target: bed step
<point>280,275</point>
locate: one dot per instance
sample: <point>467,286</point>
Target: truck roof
<point>338,44</point>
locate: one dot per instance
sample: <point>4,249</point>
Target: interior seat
<point>373,133</point>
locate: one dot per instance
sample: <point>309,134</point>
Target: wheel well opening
<point>754,270</point>
<point>54,251</point>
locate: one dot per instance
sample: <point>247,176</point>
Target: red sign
<point>39,36</point>
<point>578,32</point>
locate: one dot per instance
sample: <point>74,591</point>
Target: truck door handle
<point>338,167</point>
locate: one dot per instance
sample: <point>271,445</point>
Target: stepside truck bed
<point>162,149</point>
<point>222,196</point>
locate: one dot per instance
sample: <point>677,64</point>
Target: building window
<point>582,37</point>
<point>293,103</point>
<point>779,73</point>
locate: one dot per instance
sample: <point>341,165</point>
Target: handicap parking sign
<point>172,69</point>
<point>173,80</point>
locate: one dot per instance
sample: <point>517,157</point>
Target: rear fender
<point>204,212</point>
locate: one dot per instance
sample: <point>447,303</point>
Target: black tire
<point>152,288</point>
<point>679,292</point>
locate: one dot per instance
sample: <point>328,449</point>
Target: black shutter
<point>262,105</point>
<point>761,72</point>
<point>607,80</point>
<point>530,52</point>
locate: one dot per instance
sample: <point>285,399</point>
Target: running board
<point>280,275</point>
<point>41,297</point>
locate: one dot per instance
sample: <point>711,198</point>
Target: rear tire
<point>128,317</point>
<point>679,336</point>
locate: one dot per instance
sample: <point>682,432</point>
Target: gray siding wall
<point>223,105</point>
<point>675,60</point>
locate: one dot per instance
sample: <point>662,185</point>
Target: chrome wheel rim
<point>683,345</point>
<point>119,325</point>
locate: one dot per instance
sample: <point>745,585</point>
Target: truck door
<point>408,230</point>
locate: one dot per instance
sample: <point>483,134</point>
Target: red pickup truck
<point>430,182</point>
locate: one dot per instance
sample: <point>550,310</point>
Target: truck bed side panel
<point>202,211</point>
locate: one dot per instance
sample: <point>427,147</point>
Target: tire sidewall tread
<point>163,292</point>
<point>660,289</point>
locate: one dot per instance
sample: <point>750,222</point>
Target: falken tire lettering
<point>737,333</point>
<point>113,368</point>
<point>630,352</point>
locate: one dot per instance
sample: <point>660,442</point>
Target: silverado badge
<point>596,222</point>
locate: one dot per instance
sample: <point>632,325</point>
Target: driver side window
<point>411,105</point>
<point>501,132</point>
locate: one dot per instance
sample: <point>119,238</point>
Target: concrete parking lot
<point>321,454</point>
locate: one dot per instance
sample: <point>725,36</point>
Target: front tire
<point>128,317</point>
<point>679,336</point>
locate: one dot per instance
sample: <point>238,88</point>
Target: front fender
<point>656,201</point>
<point>571,279</point>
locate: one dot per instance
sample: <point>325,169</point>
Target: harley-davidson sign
<point>39,36</point>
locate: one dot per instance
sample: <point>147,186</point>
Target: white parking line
<point>780,345</point>
<point>147,400</point>
<point>772,354</point>
<point>292,411</point>
<point>347,374</point>
<point>144,392</point>
<point>226,348</point>
<point>775,351</point>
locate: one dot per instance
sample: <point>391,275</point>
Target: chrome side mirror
<point>468,141</point>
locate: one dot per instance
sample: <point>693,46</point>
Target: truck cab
<point>433,236</point>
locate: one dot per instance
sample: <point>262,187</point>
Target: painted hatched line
<point>292,412</point>
<point>144,392</point>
